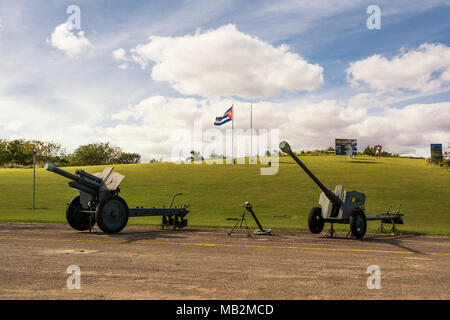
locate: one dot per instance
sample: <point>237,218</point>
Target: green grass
<point>216,192</point>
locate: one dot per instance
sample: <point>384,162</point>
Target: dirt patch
<point>148,263</point>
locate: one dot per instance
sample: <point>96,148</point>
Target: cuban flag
<point>227,116</point>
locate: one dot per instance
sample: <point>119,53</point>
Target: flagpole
<point>232,133</point>
<point>251,134</point>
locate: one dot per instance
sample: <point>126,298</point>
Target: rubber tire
<point>78,220</point>
<point>103,224</point>
<point>315,220</point>
<point>358,230</point>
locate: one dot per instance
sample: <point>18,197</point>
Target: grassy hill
<point>216,192</point>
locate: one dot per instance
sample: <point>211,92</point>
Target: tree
<point>101,154</point>
<point>127,158</point>
<point>3,151</point>
<point>369,151</point>
<point>93,154</point>
<point>19,152</point>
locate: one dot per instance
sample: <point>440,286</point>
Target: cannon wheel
<point>112,214</point>
<point>315,220</point>
<point>358,224</point>
<point>76,219</point>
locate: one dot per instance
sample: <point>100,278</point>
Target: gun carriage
<point>340,206</point>
<point>99,202</point>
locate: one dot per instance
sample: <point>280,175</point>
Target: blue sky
<point>48,93</point>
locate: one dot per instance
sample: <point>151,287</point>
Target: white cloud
<point>119,54</point>
<point>69,42</point>
<point>365,100</point>
<point>28,118</point>
<point>424,69</point>
<point>227,62</point>
<point>409,129</point>
<point>148,127</point>
<point>168,111</point>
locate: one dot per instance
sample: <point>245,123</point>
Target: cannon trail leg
<point>331,233</point>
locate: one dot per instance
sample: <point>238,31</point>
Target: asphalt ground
<point>150,263</point>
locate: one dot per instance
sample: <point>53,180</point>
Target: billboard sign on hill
<point>436,152</point>
<point>346,147</point>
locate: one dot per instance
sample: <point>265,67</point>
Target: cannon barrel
<point>82,187</point>
<point>82,181</point>
<point>286,148</point>
<point>85,174</point>
<point>55,169</point>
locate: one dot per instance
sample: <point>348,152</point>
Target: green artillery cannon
<point>340,206</point>
<point>100,203</point>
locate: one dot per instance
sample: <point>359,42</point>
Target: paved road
<point>148,263</point>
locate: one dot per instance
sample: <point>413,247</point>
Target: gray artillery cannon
<point>100,203</point>
<point>340,206</point>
